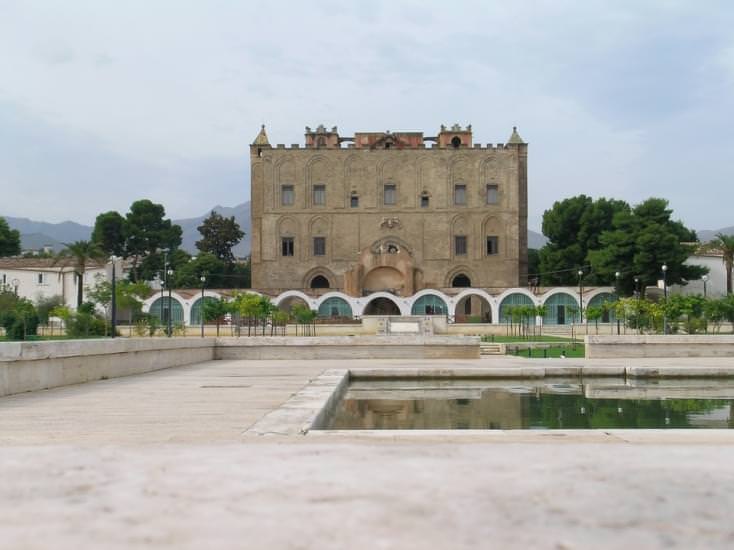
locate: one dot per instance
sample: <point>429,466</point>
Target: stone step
<point>489,348</point>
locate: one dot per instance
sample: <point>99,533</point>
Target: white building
<point>35,278</point>
<point>716,278</point>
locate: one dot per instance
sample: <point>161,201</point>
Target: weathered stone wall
<point>428,233</point>
<point>31,366</point>
<point>349,347</point>
<point>598,347</point>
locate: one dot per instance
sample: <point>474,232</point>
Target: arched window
<point>561,309</point>
<point>335,307</point>
<point>513,300</point>
<point>429,304</point>
<point>456,142</point>
<point>196,309</point>
<point>161,309</point>
<point>605,301</point>
<point>461,281</point>
<point>320,282</point>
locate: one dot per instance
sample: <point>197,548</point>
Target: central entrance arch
<point>382,306</point>
<point>383,278</point>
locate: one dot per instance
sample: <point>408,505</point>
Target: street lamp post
<point>705,321</point>
<point>665,296</point>
<point>617,275</point>
<point>201,307</point>
<point>581,295</point>
<point>113,307</point>
<point>164,284</point>
<point>169,273</point>
<point>637,295</point>
<point>705,279</point>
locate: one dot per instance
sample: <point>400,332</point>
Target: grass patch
<point>512,339</point>
<point>553,352</point>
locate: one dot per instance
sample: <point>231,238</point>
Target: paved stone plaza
<point>160,460</point>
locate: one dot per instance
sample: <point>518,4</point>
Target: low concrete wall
<point>349,347</point>
<point>604,347</point>
<point>31,366</point>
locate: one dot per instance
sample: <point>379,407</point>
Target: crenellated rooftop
<point>453,137</point>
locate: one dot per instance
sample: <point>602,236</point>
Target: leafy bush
<point>20,321</point>
<point>303,315</point>
<point>45,305</point>
<point>82,324</point>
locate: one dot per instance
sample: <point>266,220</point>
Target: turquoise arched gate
<point>175,309</point>
<point>429,304</point>
<point>335,307</point>
<point>515,299</point>
<point>196,309</point>
<point>561,309</point>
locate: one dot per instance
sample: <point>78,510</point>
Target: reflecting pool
<point>520,404</point>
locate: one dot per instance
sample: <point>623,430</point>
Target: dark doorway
<point>561,315</point>
<point>382,306</point>
<point>461,280</point>
<point>456,142</point>
<point>319,282</point>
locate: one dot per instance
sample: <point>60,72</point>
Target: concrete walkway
<point>159,461</point>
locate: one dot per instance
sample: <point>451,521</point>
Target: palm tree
<point>79,255</point>
<point>725,243</point>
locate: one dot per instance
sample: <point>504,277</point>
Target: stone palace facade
<point>394,212</point>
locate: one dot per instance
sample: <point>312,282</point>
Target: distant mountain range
<point>35,235</point>
<point>706,235</point>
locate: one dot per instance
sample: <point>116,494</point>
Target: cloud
<point>615,99</point>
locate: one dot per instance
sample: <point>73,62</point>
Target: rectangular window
<point>286,244</point>
<point>319,195</point>
<point>492,246</point>
<point>460,245</point>
<point>319,246</point>
<point>5,279</point>
<point>41,278</point>
<point>354,201</point>
<point>389,195</point>
<point>424,201</point>
<point>460,194</point>
<point>287,195</point>
<point>492,194</point>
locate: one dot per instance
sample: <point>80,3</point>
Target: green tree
<point>594,313</point>
<point>148,231</point>
<point>640,242</point>
<point>219,235</point>
<point>110,233</point>
<point>79,255</point>
<point>129,295</point>
<point>215,310</point>
<point>46,304</point>
<point>9,239</point>
<point>188,275</point>
<point>533,266</point>
<point>20,319</point>
<point>574,227</point>
<point>152,264</point>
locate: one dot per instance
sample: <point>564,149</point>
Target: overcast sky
<point>103,103</point>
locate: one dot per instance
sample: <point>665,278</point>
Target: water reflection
<point>559,404</point>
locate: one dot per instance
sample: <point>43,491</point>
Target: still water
<point>513,404</point>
